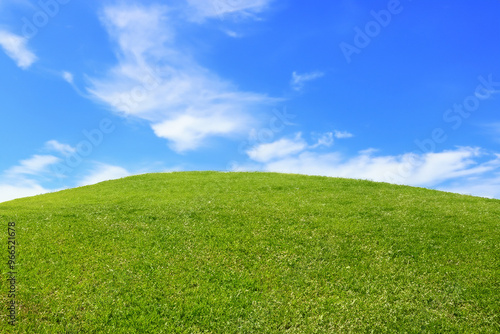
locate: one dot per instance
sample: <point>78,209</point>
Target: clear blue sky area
<point>405,92</point>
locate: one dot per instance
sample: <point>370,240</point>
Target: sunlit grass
<point>207,252</point>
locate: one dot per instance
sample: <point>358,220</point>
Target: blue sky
<point>405,92</point>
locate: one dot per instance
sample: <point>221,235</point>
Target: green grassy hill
<point>207,252</point>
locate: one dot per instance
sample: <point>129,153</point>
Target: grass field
<point>208,252</point>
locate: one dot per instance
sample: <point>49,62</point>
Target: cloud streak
<point>480,186</point>
<point>278,149</point>
<point>235,9</point>
<point>34,165</point>
<point>16,48</point>
<point>342,134</point>
<point>64,149</point>
<point>298,80</point>
<point>12,191</point>
<point>20,180</point>
<point>103,172</point>
<point>441,170</point>
<point>31,176</point>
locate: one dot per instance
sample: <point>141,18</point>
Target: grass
<point>208,252</point>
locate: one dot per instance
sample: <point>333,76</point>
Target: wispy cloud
<point>33,165</point>
<point>103,172</point>
<point>64,149</point>
<point>327,139</point>
<point>342,134</point>
<point>236,9</point>
<point>324,139</point>
<point>68,77</point>
<point>233,34</point>
<point>298,80</point>
<point>16,48</point>
<point>12,191</point>
<point>485,186</point>
<point>160,82</point>
<point>21,180</point>
<point>31,176</point>
<point>436,170</point>
<point>278,149</point>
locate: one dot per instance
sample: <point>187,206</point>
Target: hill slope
<point>207,252</point>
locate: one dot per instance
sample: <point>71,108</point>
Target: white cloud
<point>68,77</point>
<point>103,172</point>
<point>203,9</point>
<point>425,170</point>
<point>188,132</point>
<point>461,165</point>
<point>34,165</point>
<point>56,146</point>
<point>342,134</point>
<point>278,149</point>
<point>156,81</point>
<point>325,139</point>
<point>15,47</point>
<point>9,192</point>
<point>298,80</point>
<point>233,34</point>
<point>16,184</point>
<point>26,178</point>
<point>477,186</point>
<point>17,181</point>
